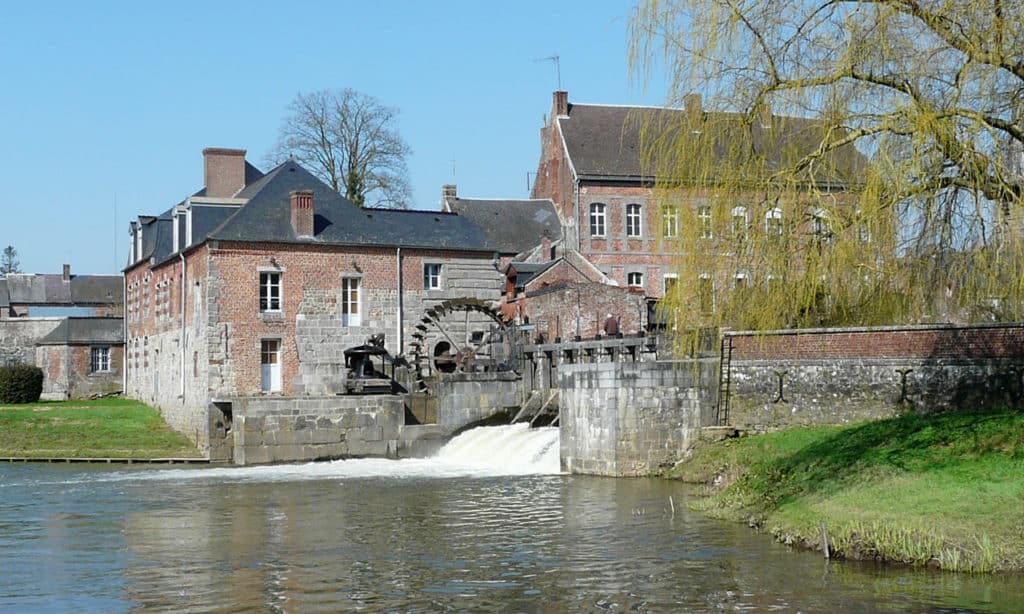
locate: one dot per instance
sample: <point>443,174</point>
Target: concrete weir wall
<point>466,398</point>
<point>271,430</point>
<point>629,418</point>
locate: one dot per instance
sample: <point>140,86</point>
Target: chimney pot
<point>302,212</point>
<point>223,171</point>
<point>560,104</point>
<point>67,272</point>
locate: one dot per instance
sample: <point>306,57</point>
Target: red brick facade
<point>945,342</point>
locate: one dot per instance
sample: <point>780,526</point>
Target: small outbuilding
<point>82,358</point>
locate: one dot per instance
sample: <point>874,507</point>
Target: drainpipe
<point>577,223</point>
<point>124,334</point>
<point>181,346</point>
<point>398,331</point>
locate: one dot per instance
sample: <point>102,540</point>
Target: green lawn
<point>104,428</point>
<point>945,490</point>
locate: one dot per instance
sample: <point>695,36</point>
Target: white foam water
<point>485,451</point>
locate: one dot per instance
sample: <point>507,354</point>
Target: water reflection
<point>198,540</point>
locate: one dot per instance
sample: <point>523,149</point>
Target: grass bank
<point>944,491</point>
<point>103,428</point>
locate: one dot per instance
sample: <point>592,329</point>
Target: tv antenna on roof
<point>558,67</point>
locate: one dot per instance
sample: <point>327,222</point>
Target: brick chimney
<point>560,104</point>
<point>545,248</point>
<point>694,107</point>
<point>302,212</point>
<point>449,193</point>
<point>223,171</point>
<point>67,272</point>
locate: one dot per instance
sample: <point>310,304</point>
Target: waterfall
<point>513,449</point>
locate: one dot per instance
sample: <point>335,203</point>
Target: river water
<point>487,526</point>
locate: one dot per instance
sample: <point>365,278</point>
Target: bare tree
<point>351,141</point>
<point>9,261</point>
<point>932,91</point>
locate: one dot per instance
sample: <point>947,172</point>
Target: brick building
<point>257,283</point>
<point>591,168</point>
<point>69,325</point>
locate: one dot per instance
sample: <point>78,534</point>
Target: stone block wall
<point>18,338</point>
<point>629,418</point>
<point>269,430</point>
<point>838,376</point>
<point>466,398</point>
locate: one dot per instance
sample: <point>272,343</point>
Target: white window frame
<point>432,275</point>
<point>634,221</point>
<point>270,371</point>
<point>635,279</point>
<point>99,359</point>
<point>266,292</point>
<point>706,222</point>
<point>670,222</point>
<point>351,308</point>
<point>740,214</point>
<point>598,220</point>
<point>665,282</point>
<point>773,222</point>
<point>704,281</point>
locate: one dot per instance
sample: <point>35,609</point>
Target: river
<point>487,526</point>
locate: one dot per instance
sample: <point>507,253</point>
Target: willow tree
<point>852,163</point>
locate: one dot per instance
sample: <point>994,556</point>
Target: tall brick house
<point>591,169</point>
<point>257,283</point>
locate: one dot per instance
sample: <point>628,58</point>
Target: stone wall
<point>269,430</point>
<point>466,398</point>
<point>630,418</point>
<point>837,376</point>
<point>67,375</point>
<point>18,338</point>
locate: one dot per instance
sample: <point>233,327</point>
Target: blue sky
<point>107,106</point>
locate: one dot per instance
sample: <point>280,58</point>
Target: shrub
<point>20,384</point>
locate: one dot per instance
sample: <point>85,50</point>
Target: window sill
<point>272,316</point>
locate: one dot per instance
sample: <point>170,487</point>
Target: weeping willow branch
<point>886,186</point>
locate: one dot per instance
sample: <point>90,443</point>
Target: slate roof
<point>604,142</point>
<point>86,331</point>
<point>525,271</point>
<point>511,226</point>
<point>50,289</point>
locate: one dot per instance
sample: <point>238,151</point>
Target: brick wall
<point>555,311</point>
<point>837,376</point>
<point>67,372</point>
<point>955,342</point>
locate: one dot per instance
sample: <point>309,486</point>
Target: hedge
<point>20,384</point>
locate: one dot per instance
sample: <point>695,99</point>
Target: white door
<point>270,365</point>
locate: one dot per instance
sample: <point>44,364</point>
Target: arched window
<point>739,221</point>
<point>597,220</point>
